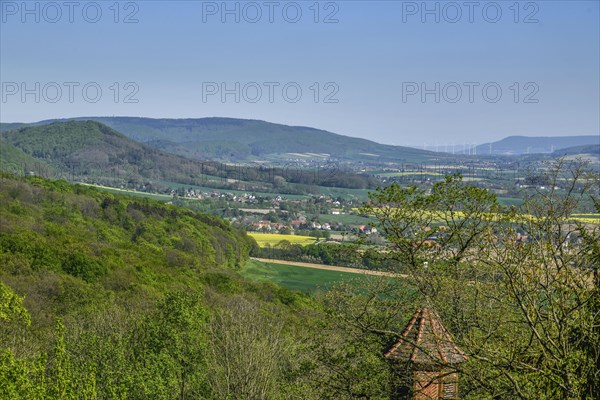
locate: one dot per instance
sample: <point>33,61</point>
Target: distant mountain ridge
<point>593,149</point>
<point>89,151</point>
<point>242,140</point>
<point>231,139</point>
<point>518,145</point>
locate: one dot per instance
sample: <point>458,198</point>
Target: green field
<point>346,219</point>
<point>273,238</point>
<point>359,194</point>
<point>307,280</point>
<point>510,201</point>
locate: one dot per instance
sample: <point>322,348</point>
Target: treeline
<point>343,255</point>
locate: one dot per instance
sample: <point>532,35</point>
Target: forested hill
<point>91,152</point>
<point>15,161</point>
<point>231,139</point>
<point>88,151</point>
<point>90,234</point>
<point>106,296</point>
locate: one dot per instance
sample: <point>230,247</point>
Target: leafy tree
<point>348,349</point>
<point>11,306</point>
<point>174,336</point>
<point>59,371</point>
<point>245,346</point>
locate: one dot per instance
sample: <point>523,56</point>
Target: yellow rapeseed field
<point>273,238</point>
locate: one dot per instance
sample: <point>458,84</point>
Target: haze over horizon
<point>390,72</point>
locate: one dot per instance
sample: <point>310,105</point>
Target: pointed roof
<point>426,343</point>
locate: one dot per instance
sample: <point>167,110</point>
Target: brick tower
<point>424,360</point>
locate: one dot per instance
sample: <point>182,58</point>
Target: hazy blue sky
<point>373,57</point>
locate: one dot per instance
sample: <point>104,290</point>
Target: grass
<point>359,194</point>
<point>307,280</point>
<point>510,201</point>
<point>273,238</point>
<point>346,219</point>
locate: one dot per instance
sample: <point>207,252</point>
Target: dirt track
<point>331,268</point>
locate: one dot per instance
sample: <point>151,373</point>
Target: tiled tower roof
<point>425,343</point>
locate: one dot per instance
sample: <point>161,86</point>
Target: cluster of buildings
<point>198,194</point>
<point>292,225</point>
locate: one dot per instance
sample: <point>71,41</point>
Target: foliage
<point>110,293</point>
<point>112,297</point>
<point>106,296</point>
<point>520,297</point>
<point>11,306</point>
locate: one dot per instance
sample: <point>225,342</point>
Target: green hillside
<point>107,296</point>
<point>62,221</point>
<point>233,139</point>
<point>13,160</point>
<point>88,151</point>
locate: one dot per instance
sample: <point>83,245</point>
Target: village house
<point>265,225</point>
<point>296,223</point>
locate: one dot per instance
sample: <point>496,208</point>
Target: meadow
<point>307,280</point>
